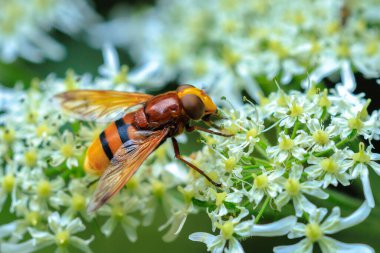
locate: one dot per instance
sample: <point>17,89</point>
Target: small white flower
<point>287,147</point>
<point>318,228</point>
<point>217,244</point>
<point>61,234</point>
<point>295,190</point>
<point>67,148</point>
<point>361,162</point>
<point>265,184</point>
<point>119,212</point>
<point>330,170</point>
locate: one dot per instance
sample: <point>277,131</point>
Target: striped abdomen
<point>102,149</point>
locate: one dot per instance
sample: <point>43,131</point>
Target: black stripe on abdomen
<point>122,129</point>
<point>105,145</point>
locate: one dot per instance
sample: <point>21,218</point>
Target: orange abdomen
<point>103,148</point>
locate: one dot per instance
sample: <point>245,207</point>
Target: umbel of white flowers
<point>217,43</point>
<point>290,147</point>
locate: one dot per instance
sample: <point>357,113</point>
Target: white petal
<point>329,245</point>
<point>367,188</point>
<point>375,166</point>
<point>109,227</point>
<point>303,246</point>
<point>81,244</point>
<point>355,218</point>
<point>202,237</point>
<point>75,226</point>
<point>235,246</point>
<point>348,79</point>
<point>277,228</point>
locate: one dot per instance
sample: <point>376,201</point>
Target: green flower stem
<point>339,145</point>
<point>263,207</point>
<point>295,129</point>
<point>324,114</point>
<point>265,140</point>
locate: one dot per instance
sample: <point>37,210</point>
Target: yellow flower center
<point>261,181</point>
<point>33,218</point>
<point>333,27</point>
<point>372,48</point>
<point>158,189</point>
<point>227,230</point>
<point>321,137</point>
<point>324,100</point>
<point>117,212</point>
<point>8,183</point>
<point>295,110</point>
<point>220,197</point>
<point>343,50</point>
<point>313,232</point>
<point>133,183</point>
<point>9,135</point>
<point>41,130</point>
<point>281,101</point>
<point>62,238</point>
<point>361,156</point>
<point>229,26</point>
<point>230,57</point>
<point>329,165</point>
<point>67,150</point>
<point>31,117</point>
<point>173,55</point>
<point>44,189</point>
<point>122,76</point>
<point>30,158</point>
<point>278,48</point>
<point>230,164</point>
<point>292,187</point>
<point>200,68</point>
<point>251,134</point>
<point>355,123</point>
<point>78,202</point>
<point>286,143</point>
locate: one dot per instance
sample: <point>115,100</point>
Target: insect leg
<point>179,157</point>
<point>193,128</point>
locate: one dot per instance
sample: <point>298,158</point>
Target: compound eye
<point>185,86</point>
<point>193,105</point>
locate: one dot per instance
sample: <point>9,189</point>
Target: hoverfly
<point>140,124</point>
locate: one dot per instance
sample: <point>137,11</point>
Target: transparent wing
<point>124,164</point>
<point>100,105</point>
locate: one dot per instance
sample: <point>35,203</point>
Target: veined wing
<point>100,105</point>
<point>127,159</point>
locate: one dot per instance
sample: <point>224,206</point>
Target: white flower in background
<point>24,27</point>
<point>119,212</point>
<point>234,226</point>
<point>61,233</point>
<point>66,149</point>
<point>319,227</point>
<point>361,161</point>
<point>249,43</point>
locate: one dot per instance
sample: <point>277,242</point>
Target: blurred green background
<point>149,239</point>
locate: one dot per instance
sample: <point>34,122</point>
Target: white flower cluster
<point>248,43</point>
<point>292,150</point>
<point>288,153</point>
<point>24,25</point>
<point>42,181</point>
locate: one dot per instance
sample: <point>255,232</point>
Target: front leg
<point>193,128</point>
<point>179,157</point>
